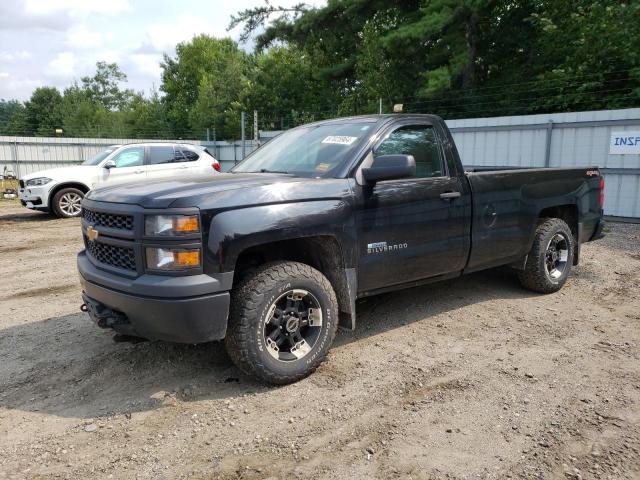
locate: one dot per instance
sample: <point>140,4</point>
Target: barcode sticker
<point>339,140</point>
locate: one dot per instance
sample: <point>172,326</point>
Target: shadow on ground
<point>25,216</point>
<point>66,366</point>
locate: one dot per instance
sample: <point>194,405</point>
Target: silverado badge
<point>382,247</point>
<point>92,233</point>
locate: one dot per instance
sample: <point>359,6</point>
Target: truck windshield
<point>312,151</point>
<point>99,157</point>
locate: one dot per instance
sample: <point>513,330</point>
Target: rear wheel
<point>282,322</point>
<point>549,262</point>
<point>67,202</point>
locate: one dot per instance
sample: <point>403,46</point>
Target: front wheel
<point>283,319</point>
<point>67,202</point>
<point>550,259</point>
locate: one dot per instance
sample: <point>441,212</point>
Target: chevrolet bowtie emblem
<point>92,233</point>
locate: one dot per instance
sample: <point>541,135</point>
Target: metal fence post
<point>547,152</point>
<point>15,158</point>
<point>242,119</point>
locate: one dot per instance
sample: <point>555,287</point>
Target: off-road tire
<point>534,276</point>
<point>56,207</point>
<point>250,303</point>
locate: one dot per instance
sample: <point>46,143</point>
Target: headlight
<point>172,258</point>
<point>171,225</point>
<point>37,182</point>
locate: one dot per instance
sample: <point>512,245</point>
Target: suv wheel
<point>550,258</point>
<point>66,202</point>
<point>283,320</point>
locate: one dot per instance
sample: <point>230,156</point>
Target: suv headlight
<point>37,182</point>
<point>172,259</point>
<point>171,225</point>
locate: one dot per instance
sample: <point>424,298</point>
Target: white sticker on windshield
<point>339,140</point>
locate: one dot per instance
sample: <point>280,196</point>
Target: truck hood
<point>221,191</point>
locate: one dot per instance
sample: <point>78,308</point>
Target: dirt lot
<point>475,378</point>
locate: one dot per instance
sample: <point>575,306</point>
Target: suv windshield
<point>100,157</point>
<point>312,151</point>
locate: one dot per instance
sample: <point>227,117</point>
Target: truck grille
<point>110,220</point>
<point>120,257</point>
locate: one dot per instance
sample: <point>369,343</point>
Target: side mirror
<point>109,164</point>
<point>390,167</point>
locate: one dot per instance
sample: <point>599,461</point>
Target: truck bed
<point>506,205</point>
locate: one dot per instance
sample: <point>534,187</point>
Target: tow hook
<point>103,316</point>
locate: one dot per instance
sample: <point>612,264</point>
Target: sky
<point>54,42</point>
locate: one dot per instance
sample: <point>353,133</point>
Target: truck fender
<point>233,232</point>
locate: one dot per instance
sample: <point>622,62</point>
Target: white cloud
<point>18,87</point>
<point>63,64</point>
<point>53,42</point>
<point>14,56</point>
<point>82,37</point>
<point>4,75</point>
<point>166,35</point>
<point>75,7</point>
<point>109,56</point>
<point>147,64</point>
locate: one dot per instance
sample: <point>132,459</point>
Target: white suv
<point>61,189</point>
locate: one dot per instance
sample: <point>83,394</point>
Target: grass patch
<point>5,184</point>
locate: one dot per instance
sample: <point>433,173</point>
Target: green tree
<point>283,85</point>
<point>204,85</point>
<point>13,118</point>
<point>464,57</point>
<point>147,117</point>
<point>7,109</point>
<point>43,113</point>
<point>104,86</point>
<point>78,113</point>
<point>589,55</point>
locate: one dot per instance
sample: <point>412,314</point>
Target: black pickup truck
<point>272,256</point>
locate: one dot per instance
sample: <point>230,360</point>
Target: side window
<point>159,155</point>
<point>419,141</point>
<point>186,155</point>
<point>129,157</point>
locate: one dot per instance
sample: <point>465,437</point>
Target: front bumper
<point>187,309</point>
<point>35,198</point>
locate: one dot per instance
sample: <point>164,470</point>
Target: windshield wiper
<point>266,170</point>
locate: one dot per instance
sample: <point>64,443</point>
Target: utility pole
<point>381,106</point>
<point>242,120</point>
<point>208,134</point>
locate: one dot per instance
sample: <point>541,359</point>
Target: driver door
<point>412,228</point>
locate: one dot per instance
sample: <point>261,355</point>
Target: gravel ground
<point>475,378</point>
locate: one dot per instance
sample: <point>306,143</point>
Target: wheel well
<point>320,252</point>
<point>80,186</point>
<point>568,213</point>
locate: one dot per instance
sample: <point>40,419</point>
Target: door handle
<point>450,195</point>
<point>139,171</point>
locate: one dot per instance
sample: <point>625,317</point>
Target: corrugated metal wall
<point>558,140</point>
<point>23,155</point>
